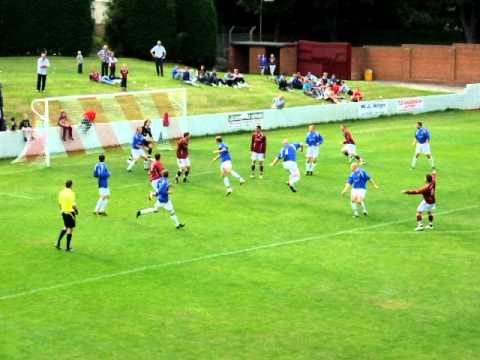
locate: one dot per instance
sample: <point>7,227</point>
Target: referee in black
<point>68,207</point>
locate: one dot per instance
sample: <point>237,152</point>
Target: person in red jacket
<point>428,202</point>
<point>155,173</point>
<point>357,95</point>
<point>258,148</point>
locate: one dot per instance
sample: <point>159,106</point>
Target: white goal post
<point>117,115</point>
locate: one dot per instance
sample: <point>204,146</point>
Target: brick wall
<point>288,60</point>
<point>253,65</point>
<point>458,63</point>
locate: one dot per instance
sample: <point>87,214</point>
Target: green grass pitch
<point>263,274</point>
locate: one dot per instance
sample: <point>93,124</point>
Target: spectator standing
<point>13,124</point>
<point>42,67</point>
<point>26,128</point>
<point>3,124</point>
<point>79,62</point>
<point>159,54</point>
<point>1,101</point>
<point>66,126</point>
<point>262,63</point>
<point>112,64</point>
<point>124,76</point>
<point>104,55</point>
<point>272,62</point>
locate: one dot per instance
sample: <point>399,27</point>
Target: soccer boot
<point>420,227</point>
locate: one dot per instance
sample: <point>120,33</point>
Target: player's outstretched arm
<point>345,189</point>
<point>374,183</point>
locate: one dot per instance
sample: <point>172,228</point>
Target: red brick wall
<point>288,60</point>
<point>459,63</point>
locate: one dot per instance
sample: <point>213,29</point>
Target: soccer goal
<point>114,120</point>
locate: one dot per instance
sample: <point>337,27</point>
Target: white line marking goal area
<point>218,255</point>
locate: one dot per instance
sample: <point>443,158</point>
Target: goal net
<point>116,116</point>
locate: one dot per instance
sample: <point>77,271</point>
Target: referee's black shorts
<point>68,219</point>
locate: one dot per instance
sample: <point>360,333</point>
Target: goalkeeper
<point>88,120</point>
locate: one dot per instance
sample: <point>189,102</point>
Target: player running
<point>258,148</point>
<point>155,174</point>
<point>183,161</point>
<point>349,148</point>
<point>357,181</point>
<point>102,174</point>
<point>163,202</point>
<point>288,154</point>
<point>428,202</point>
<point>313,141</point>
<point>422,145</point>
<point>226,168</point>
<point>138,144</point>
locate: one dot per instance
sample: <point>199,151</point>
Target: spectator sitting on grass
<point>94,75</point>
<point>311,77</point>
<point>278,102</point>
<point>214,80</point>
<point>324,78</point>
<point>296,82</point>
<point>333,79</point>
<point>238,78</point>
<point>13,124</point>
<point>307,88</point>
<point>357,95</point>
<point>344,89</point>
<point>188,78</point>
<point>202,75</point>
<point>26,128</point>
<point>283,83</point>
<point>330,96</point>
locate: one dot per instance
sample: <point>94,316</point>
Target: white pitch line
<point>419,232</point>
<point>17,196</point>
<point>213,256</point>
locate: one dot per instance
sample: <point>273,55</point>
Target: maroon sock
<point>419,218</point>
<point>430,218</point>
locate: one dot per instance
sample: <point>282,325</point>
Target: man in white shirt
<point>42,67</point>
<point>159,53</point>
<point>104,56</point>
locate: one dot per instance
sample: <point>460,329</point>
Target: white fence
<point>120,132</point>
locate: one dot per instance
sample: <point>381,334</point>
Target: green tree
<point>134,26</point>
<point>197,31</point>
<point>57,26</point>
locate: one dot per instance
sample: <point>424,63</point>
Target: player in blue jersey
<point>313,141</point>
<point>422,144</point>
<point>138,145</point>
<point>102,174</point>
<point>226,167</point>
<point>357,181</point>
<point>288,154</point>
<point>163,201</point>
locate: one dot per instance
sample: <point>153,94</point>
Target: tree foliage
<point>134,26</point>
<point>197,31</point>
<point>58,26</point>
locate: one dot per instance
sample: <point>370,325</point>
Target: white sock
<point>146,164</point>
<point>147,211</point>
<point>354,208</point>
<point>307,166</point>
<point>414,161</point>
<point>313,166</point>
<point>104,205</point>
<point>98,206</point>
<point>364,207</point>
<point>226,181</point>
<point>431,162</point>
<point>175,219</point>
<point>235,175</point>
<point>130,164</point>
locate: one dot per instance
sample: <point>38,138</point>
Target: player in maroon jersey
<point>183,161</point>
<point>349,148</point>
<point>428,202</point>
<point>258,148</point>
<point>155,174</point>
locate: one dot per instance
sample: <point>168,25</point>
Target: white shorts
<point>154,184</point>
<point>351,149</point>
<point>257,156</point>
<point>167,206</point>
<point>292,167</point>
<point>312,152</point>
<point>361,193</point>
<point>137,153</point>
<point>183,163</point>
<point>423,148</point>
<point>104,191</point>
<point>425,207</point>
<point>226,166</point>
